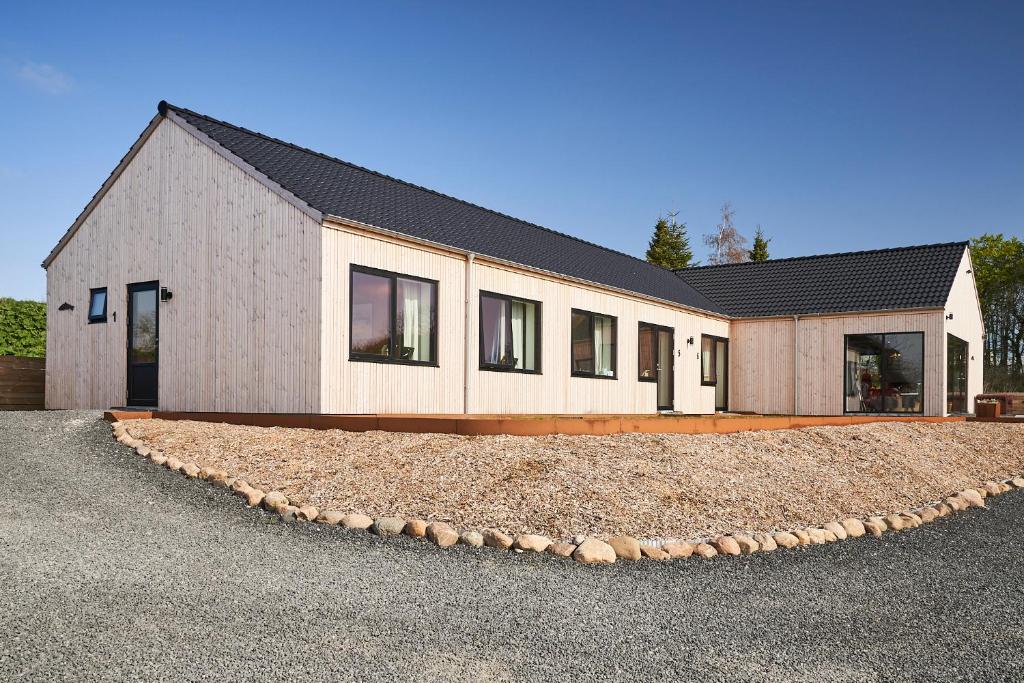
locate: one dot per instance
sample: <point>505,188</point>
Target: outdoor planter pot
<point>988,408</point>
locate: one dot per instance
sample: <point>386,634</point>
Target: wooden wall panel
<point>556,390</point>
<point>365,387</point>
<point>761,367</point>
<point>967,324</point>
<point>355,387</point>
<point>762,378</point>
<point>242,331</point>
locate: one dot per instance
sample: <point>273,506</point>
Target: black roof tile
<point>338,188</point>
<point>876,280</point>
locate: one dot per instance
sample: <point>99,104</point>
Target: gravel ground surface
<point>644,485</point>
<point>112,568</point>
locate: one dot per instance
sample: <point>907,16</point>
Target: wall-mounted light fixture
<point>949,316</point>
<point>689,342</point>
<point>165,294</point>
<point>65,307</point>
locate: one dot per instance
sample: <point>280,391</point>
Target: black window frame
<point>101,318</point>
<point>882,367</point>
<point>392,357</point>
<point>967,374</point>
<point>508,300</point>
<point>655,328</point>
<point>714,358</point>
<point>615,341</point>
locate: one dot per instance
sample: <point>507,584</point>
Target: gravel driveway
<point>112,568</point>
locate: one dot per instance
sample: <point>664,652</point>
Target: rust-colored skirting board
<point>525,425</point>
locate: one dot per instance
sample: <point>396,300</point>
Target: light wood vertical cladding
<point>555,390</point>
<point>761,367</point>
<point>365,387</point>
<point>967,324</point>
<point>766,349</point>
<point>242,330</point>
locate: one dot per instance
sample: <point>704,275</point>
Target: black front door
<point>143,338</point>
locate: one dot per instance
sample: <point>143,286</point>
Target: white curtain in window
<point>707,359</point>
<point>517,333</point>
<point>604,338</point>
<point>497,349</point>
<point>416,300</point>
<point>529,334</point>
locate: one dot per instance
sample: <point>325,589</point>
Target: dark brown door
<point>143,343</point>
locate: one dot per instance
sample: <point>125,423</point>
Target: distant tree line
<point>999,272</point>
<point>670,245</point>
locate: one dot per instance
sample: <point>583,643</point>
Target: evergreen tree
<point>669,246</point>
<point>760,250</point>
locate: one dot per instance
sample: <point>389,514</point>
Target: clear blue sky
<point>836,126</point>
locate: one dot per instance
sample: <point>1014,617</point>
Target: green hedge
<point>22,328</point>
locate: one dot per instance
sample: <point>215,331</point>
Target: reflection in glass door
<point>665,369</point>
<point>656,353</point>
<point>722,367</point>
<point>956,375</point>
<point>143,337</point>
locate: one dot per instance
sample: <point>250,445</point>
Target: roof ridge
<point>962,243</point>
<point>328,157</point>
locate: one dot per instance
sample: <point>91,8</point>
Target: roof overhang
<point>347,222</point>
<point>261,177</point>
<point>836,314</point>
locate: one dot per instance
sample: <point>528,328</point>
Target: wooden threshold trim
<point>526,425</point>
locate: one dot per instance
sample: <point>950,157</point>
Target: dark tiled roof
<point>338,188</point>
<point>882,279</point>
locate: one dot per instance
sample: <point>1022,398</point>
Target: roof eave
<point>832,314</point>
<point>533,269</point>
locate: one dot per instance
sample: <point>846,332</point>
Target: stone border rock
<point>582,549</point>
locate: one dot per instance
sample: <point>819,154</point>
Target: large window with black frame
<point>884,373</point>
<point>509,333</point>
<point>593,345</point>
<point>393,318</point>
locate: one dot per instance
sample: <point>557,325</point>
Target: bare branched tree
<point>727,245</point>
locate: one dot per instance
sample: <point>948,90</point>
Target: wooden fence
<point>22,383</point>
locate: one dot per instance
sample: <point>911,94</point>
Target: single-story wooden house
<point>221,270</point>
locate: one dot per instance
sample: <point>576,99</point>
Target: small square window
<point>98,305</point>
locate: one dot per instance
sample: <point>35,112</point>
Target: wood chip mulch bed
<point>651,486</point>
